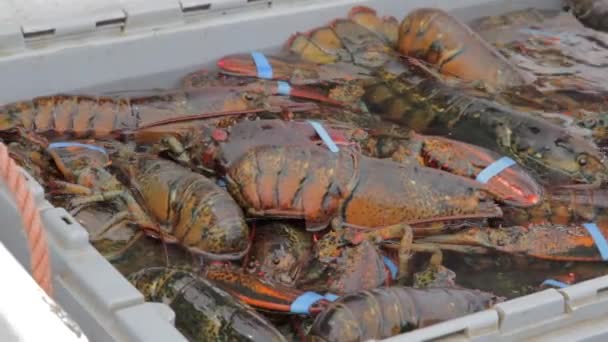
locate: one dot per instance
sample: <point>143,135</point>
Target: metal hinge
<point>201,7</point>
<point>55,28</point>
<point>118,17</point>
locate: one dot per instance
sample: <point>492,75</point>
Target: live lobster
<point>160,197</point>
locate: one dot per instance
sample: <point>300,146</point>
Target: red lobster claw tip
<point>237,64</point>
<point>515,187</point>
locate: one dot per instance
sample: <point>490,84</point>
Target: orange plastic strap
<point>30,218</point>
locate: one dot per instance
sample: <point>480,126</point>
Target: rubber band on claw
<point>75,144</point>
<point>391,267</point>
<point>331,297</point>
<point>324,136</point>
<point>303,303</point>
<point>598,238</point>
<point>262,65</point>
<point>283,88</point>
<point>494,169</point>
<point>554,283</point>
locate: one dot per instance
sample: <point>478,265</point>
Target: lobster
<point>513,186</point>
<point>320,186</point>
<point>364,41</point>
<point>395,308</point>
<point>167,201</point>
<point>591,13</point>
<point>387,311</point>
<point>547,241</point>
<point>203,311</point>
<point>79,116</point>
<point>340,261</point>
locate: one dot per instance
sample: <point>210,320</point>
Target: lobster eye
<point>589,123</point>
<point>248,97</point>
<point>582,159</point>
<point>251,265</point>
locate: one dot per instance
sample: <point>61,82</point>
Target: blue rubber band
<point>554,283</point>
<point>75,144</point>
<point>303,303</point>
<point>324,136</point>
<point>284,88</point>
<point>331,297</point>
<point>262,65</point>
<point>221,183</point>
<point>493,169</point>
<point>391,267</point>
<point>598,238</point>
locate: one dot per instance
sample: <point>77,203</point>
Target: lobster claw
<point>506,180</point>
<point>292,69</point>
<point>302,92</point>
<point>72,155</point>
<point>262,66</point>
<point>575,242</point>
<point>264,295</point>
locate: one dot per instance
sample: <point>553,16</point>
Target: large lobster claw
<point>202,79</point>
<point>506,180</point>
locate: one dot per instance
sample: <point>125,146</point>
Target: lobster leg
<point>116,221</point>
<point>114,256</point>
<point>103,196</point>
<point>134,212</point>
<point>176,149</point>
<point>575,242</point>
<point>67,188</point>
<point>85,195</point>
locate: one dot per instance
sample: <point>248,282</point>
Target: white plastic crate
<point>24,302</point>
<point>55,46</point>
